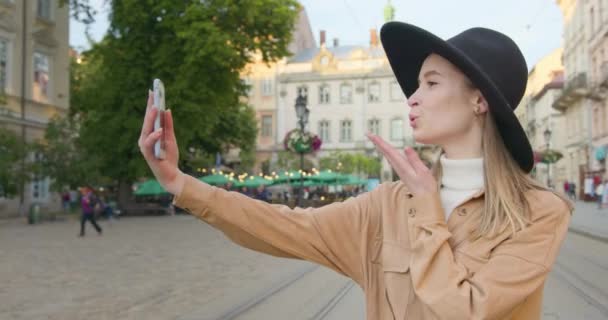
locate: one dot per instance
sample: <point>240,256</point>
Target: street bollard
<point>34,214</point>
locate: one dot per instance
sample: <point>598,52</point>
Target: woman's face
<point>443,106</point>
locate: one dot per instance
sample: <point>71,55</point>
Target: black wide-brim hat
<point>490,59</point>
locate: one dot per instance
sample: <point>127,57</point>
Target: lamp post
<point>547,134</point>
<point>302,113</point>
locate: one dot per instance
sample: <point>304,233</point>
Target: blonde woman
<point>472,238</point>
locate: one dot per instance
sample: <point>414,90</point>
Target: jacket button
<point>412,212</point>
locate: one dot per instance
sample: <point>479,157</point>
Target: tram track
<point>311,294</point>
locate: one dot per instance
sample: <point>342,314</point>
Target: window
<point>346,131</point>
<point>374,92</point>
<point>44,9</point>
<point>266,126</point>
<point>324,60</point>
<point>324,131</point>
<point>3,65</point>
<point>302,91</point>
<point>396,93</point>
<point>346,93</point>
<point>40,185</point>
<point>249,86</point>
<point>397,129</point>
<point>324,94</point>
<point>267,87</point>
<point>592,20</point>
<point>41,76</point>
<point>374,126</point>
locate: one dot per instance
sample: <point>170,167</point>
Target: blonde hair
<point>506,184</point>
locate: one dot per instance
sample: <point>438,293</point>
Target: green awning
<point>215,179</point>
<point>150,188</point>
<point>351,180</point>
<point>252,182</point>
<point>328,176</point>
<point>290,176</point>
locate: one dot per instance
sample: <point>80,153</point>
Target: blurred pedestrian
<point>263,194</point>
<point>604,195</point>
<point>73,199</point>
<point>88,203</point>
<point>572,190</point>
<point>106,210</point>
<point>599,192</point>
<point>65,200</point>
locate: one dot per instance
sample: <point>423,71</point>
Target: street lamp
<point>547,134</point>
<point>302,112</point>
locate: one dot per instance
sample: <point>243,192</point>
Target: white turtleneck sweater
<point>461,178</point>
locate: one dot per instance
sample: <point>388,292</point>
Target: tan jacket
<point>399,249</point>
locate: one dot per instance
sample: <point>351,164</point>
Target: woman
<point>473,238</point>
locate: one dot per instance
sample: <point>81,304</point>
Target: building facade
<point>574,100</point>
<point>539,118</point>
<point>597,30</point>
<point>34,79</point>
<point>262,96</point>
<point>350,91</point>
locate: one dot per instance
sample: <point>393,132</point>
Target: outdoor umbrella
<point>150,188</point>
<point>351,180</point>
<point>215,179</point>
<point>252,182</point>
<point>328,176</point>
<point>291,176</point>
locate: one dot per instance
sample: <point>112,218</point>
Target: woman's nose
<point>413,101</point>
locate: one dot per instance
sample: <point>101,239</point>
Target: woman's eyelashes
<point>431,84</point>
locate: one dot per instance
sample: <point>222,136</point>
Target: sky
<point>535,25</point>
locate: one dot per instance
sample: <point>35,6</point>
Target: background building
<point>34,77</point>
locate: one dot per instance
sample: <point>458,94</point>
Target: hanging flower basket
<point>547,156</point>
<point>306,142</point>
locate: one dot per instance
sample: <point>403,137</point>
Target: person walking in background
<point>65,201</point>
<point>73,199</point>
<point>567,188</point>
<point>263,194</point>
<point>599,192</point>
<point>88,202</point>
<point>604,195</point>
<point>572,190</point>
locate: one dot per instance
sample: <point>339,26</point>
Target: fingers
<point>169,133</point>
<point>148,124</point>
<point>150,100</point>
<point>397,161</point>
<point>415,160</point>
<point>148,143</point>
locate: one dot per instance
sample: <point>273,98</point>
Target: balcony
<point>575,89</point>
<point>599,90</point>
<point>603,76</point>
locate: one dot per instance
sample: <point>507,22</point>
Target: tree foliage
<point>198,49</point>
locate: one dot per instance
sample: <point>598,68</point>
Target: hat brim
<point>407,46</point>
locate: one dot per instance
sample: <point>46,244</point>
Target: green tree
<point>63,157</point>
<point>12,152</point>
<point>290,161</point>
<point>198,49</point>
<point>352,163</point>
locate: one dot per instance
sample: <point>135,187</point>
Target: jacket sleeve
<point>333,235</point>
<point>516,267</point>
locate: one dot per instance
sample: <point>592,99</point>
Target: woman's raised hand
<point>416,176</point>
<point>165,170</point>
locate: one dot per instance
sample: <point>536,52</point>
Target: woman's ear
<point>480,104</point>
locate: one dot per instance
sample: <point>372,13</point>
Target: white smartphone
<point>159,122</point>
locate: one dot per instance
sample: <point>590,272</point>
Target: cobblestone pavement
<point>141,268</point>
<point>180,268</point>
